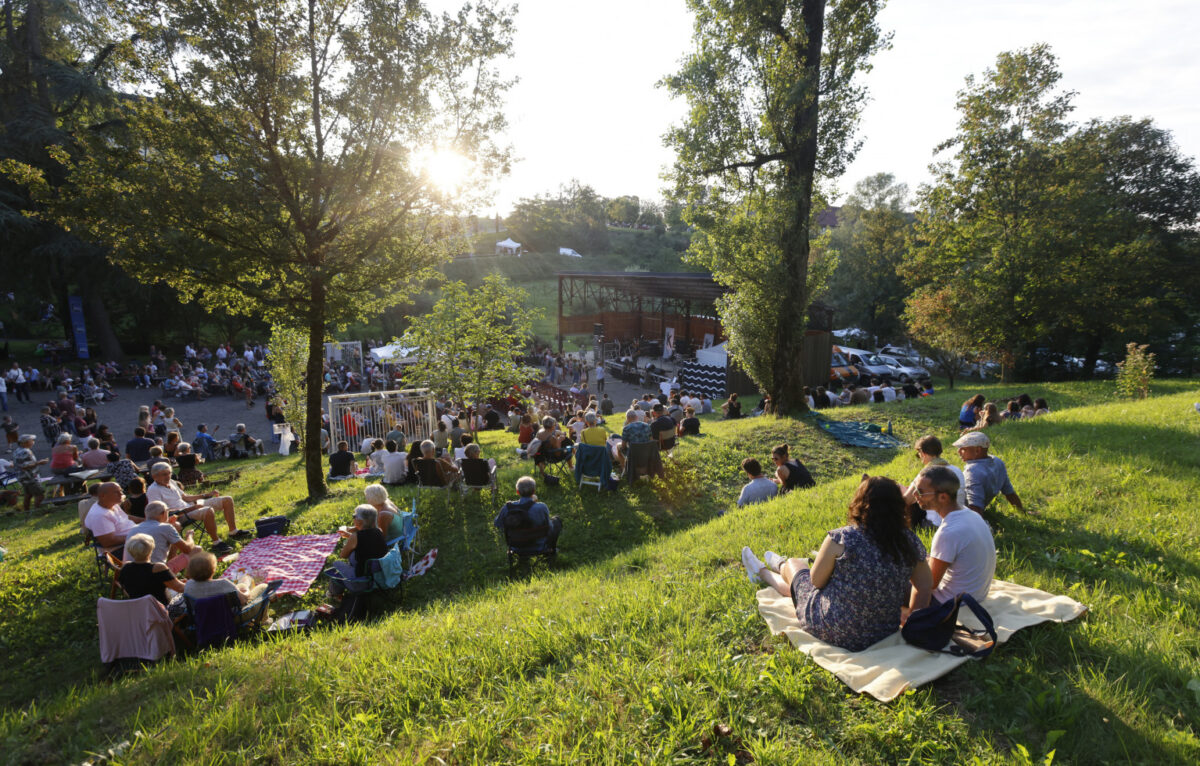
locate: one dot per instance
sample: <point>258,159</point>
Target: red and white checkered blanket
<point>296,559</point>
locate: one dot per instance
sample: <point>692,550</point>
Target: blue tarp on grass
<point>858,434</point>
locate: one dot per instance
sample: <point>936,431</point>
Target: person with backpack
<point>527,512</point>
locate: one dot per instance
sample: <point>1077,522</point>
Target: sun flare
<point>446,169</point>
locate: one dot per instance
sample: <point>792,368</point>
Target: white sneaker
<point>773,560</point>
<point>752,565</point>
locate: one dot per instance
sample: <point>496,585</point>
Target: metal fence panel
<point>354,417</point>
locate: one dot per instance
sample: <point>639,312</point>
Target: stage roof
<point>682,286</point>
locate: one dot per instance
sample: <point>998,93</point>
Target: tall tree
<point>1134,202</point>
<point>774,102</point>
<point>870,240</point>
<point>986,226</point>
<point>469,343</point>
<point>275,156</point>
<point>55,58</point>
<point>1040,232</point>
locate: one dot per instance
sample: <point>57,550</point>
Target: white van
<point>869,364</point>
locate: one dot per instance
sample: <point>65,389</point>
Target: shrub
<point>1134,374</point>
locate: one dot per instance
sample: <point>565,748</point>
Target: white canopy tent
<point>394,353</point>
<point>508,247</point>
<point>714,356</point>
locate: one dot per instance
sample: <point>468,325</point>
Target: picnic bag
<point>272,525</point>
<point>933,627</point>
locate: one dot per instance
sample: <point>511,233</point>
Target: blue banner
<point>76,305</point>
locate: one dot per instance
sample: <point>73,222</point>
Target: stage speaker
<point>597,328</point>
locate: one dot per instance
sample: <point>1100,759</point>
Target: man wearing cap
<point>169,492</point>
<point>985,475</point>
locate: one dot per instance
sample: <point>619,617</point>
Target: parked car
<point>841,370</point>
<point>905,369</point>
<point>869,365</point>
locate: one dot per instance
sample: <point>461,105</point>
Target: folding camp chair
<point>643,460</point>
<point>359,589</point>
<point>555,460</point>
<point>478,475</point>
<point>219,619</point>
<point>407,541</point>
<point>428,478</point>
<point>526,541</point>
<point>593,465</point>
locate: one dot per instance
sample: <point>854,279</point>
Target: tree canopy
<point>469,343</point>
<point>1037,230</point>
<point>870,238</point>
<point>773,101</point>
<point>273,151</point>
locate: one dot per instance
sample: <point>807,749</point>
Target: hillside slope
<point>645,636</point>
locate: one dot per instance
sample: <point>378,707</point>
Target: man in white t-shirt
<point>962,556</point>
<point>168,492</point>
<point>105,520</point>
<point>929,450</point>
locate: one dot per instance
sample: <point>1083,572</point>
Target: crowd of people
<point>870,574</point>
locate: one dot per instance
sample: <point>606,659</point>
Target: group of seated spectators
<point>869,575</point>
<point>977,413</point>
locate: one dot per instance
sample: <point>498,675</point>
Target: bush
<point>1135,373</point>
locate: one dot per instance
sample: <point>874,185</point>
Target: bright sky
<point>587,106</point>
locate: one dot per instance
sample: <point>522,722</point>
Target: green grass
<point>644,636</point>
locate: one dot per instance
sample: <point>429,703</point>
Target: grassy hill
<point>644,636</point>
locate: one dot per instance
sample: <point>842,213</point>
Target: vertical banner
<point>75,303</point>
<point>669,343</point>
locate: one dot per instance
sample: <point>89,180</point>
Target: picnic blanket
<point>858,434</point>
<point>295,559</point>
<point>887,669</point>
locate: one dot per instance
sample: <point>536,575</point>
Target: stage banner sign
<point>669,343</point>
<point>75,303</point>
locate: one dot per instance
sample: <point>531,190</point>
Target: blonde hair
<point>140,547</point>
<point>201,566</point>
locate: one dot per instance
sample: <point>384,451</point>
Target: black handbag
<point>272,525</point>
<point>933,627</point>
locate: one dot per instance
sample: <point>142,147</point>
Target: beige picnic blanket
<point>887,669</point>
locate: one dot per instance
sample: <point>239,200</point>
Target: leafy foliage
<point>288,362</point>
<point>1135,372</point>
<point>1038,230</point>
<point>278,160</point>
<point>469,343</point>
<point>762,76</point>
<point>870,240</point>
<point>576,217</point>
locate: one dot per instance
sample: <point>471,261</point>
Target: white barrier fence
<point>354,417</point>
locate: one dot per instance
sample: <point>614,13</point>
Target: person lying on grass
<point>962,556</point>
<point>857,591</point>
<point>985,476</point>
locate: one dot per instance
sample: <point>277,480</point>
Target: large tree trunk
<point>787,372</point>
<point>314,471</point>
<point>1091,355</point>
<point>99,326</point>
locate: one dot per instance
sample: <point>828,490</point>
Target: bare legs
<point>781,581</point>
